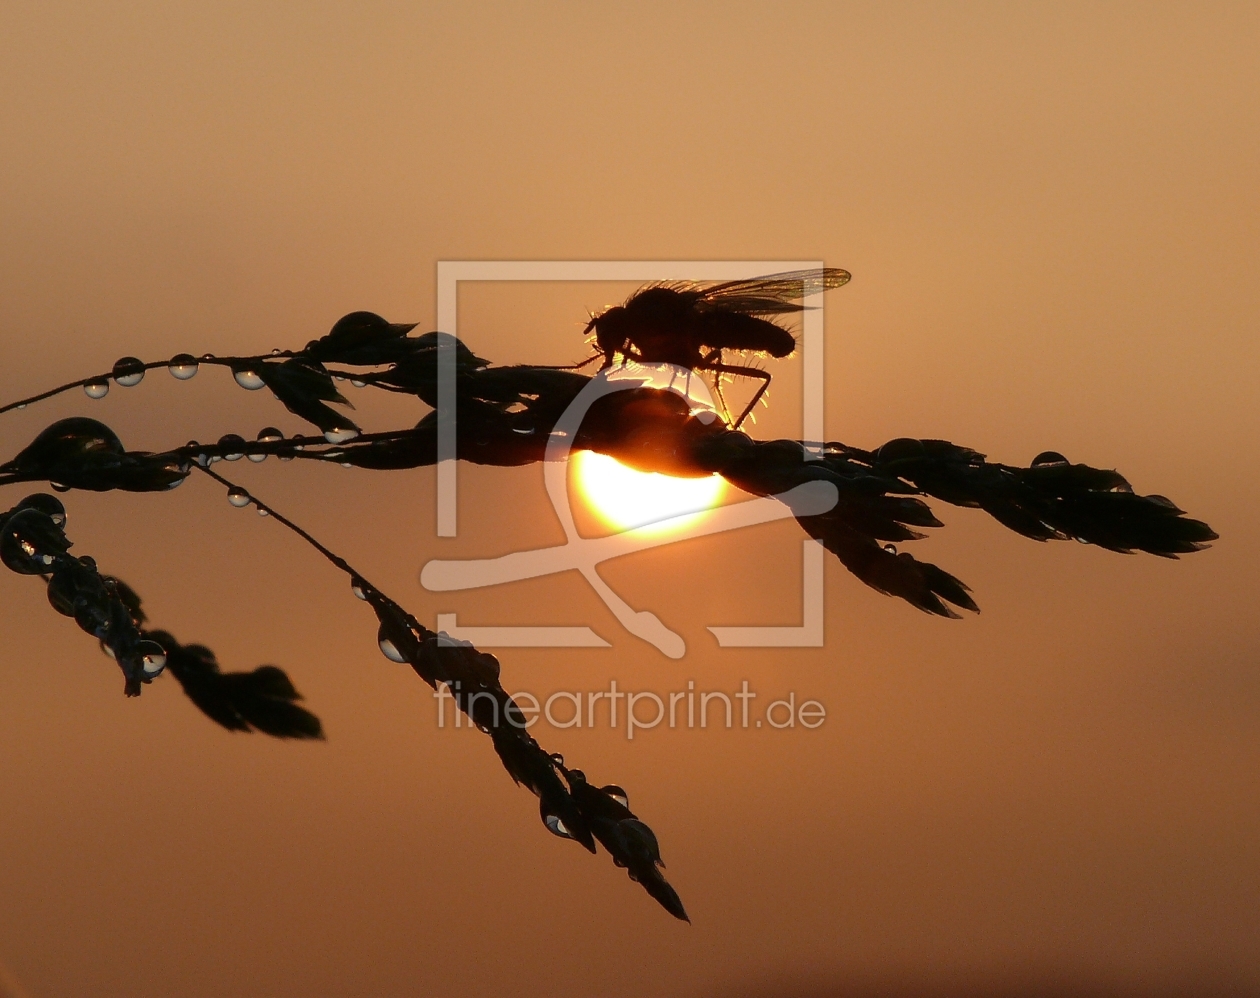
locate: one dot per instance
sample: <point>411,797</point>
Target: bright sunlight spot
<point>624,498</point>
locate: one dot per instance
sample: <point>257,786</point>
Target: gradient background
<point>1050,213</point>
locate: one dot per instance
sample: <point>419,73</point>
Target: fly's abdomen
<point>735,331</point>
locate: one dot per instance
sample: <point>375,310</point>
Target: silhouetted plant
<point>504,416</point>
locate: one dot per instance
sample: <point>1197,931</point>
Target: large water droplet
<point>340,436</point>
<point>391,652</point>
<point>269,435</point>
<point>890,548</point>
<point>45,503</point>
<point>249,380</point>
<point>1049,459</point>
<point>556,827</point>
<point>359,588</point>
<point>129,371</point>
<point>153,658</point>
<point>357,383</point>
<point>617,794</point>
<point>233,446</point>
<point>238,497</point>
<point>96,389</point>
<point>183,366</point>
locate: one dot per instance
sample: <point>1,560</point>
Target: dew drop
<point>1049,459</point>
<point>391,652</point>
<point>238,497</point>
<point>45,503</point>
<point>890,548</point>
<point>340,436</point>
<point>129,371</point>
<point>617,794</point>
<point>358,587</point>
<point>87,561</point>
<point>96,389</point>
<point>346,464</point>
<point>357,383</point>
<point>182,366</point>
<point>261,511</point>
<point>275,351</point>
<point>58,487</point>
<point>249,380</point>
<point>257,458</point>
<point>207,356</point>
<point>22,405</point>
<point>233,446</point>
<point>175,484</point>
<point>269,435</point>
<point>339,377</point>
<point>153,658</point>
<point>556,827</point>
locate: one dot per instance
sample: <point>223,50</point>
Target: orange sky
<point>1050,213</point>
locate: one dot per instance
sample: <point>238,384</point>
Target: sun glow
<point>625,498</point>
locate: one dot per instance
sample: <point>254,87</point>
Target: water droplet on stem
<point>183,366</point>
<point>129,371</point>
<point>233,446</point>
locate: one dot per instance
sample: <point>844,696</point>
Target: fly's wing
<point>776,294</point>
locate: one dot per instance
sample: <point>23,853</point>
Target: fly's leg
<point>577,367</point>
<point>747,372</point>
<point>712,361</point>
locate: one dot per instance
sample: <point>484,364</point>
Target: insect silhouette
<point>693,326</point>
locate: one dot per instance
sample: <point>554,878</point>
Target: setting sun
<point>625,498</point>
